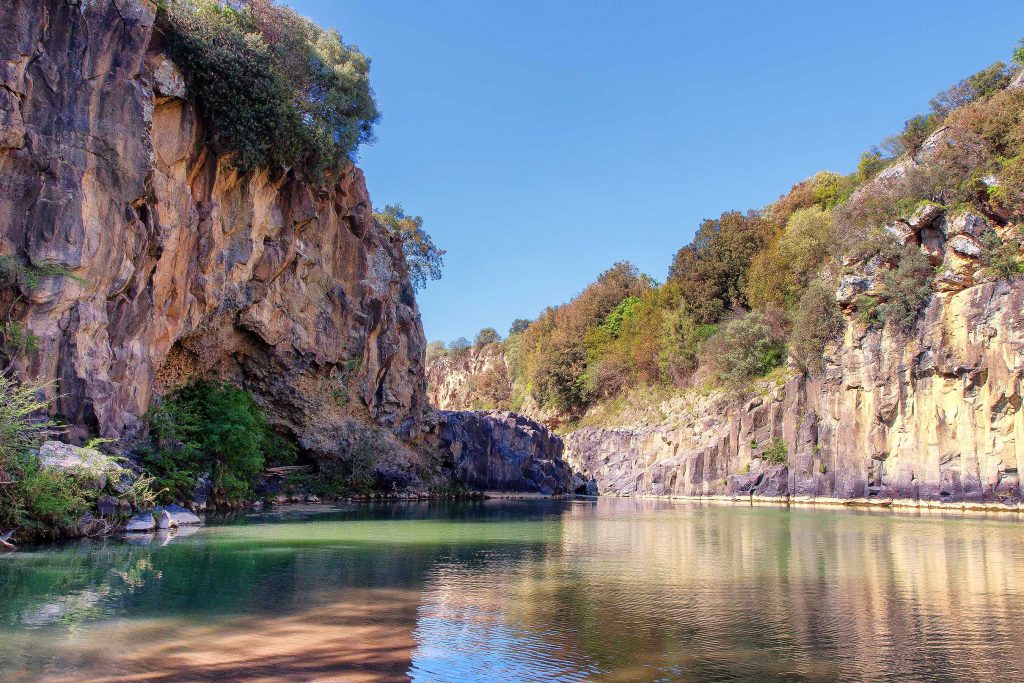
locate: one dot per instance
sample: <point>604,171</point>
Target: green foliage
<point>487,335</point>
<point>745,348</point>
<point>29,276</point>
<point>816,322</point>
<point>424,258</point>
<point>710,274</point>
<point>275,90</point>
<point>916,130</point>
<point>1018,54</point>
<point>1001,258</point>
<point>518,326</point>
<point>985,83</point>
<point>626,310</point>
<point>36,501</point>
<point>872,162</point>
<point>493,387</point>
<point>867,310</point>
<point>779,273</point>
<point>459,346</point>
<point>906,287</point>
<point>16,340</point>
<point>776,452</point>
<point>211,428</point>
<point>681,344</point>
<point>435,350</point>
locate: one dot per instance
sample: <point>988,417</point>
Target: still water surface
<point>608,590</point>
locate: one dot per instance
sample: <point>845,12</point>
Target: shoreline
<point>811,501</point>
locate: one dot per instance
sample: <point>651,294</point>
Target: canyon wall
<point>933,414</point>
<point>178,267</point>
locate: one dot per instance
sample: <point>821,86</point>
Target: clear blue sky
<point>543,141</point>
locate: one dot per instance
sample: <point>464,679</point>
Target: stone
<point>84,463</point>
<point>968,224</point>
<point>925,216</point>
<point>965,246</point>
<point>108,506</point>
<point>1017,81</point>
<point>852,286</point>
<point>181,515</point>
<point>142,523</point>
<point>166,521</point>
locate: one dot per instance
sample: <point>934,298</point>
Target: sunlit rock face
<point>451,379</point>
<point>183,268</point>
<point>932,414</point>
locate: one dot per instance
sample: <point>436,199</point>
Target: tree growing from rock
<point>425,259</point>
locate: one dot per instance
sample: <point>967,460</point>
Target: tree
<point>745,348</point>
<point>435,349</point>
<point>421,254</point>
<point>518,325</point>
<point>459,346</point>
<point>275,90</point>
<point>907,287</point>
<point>487,335</point>
<point>816,322</point>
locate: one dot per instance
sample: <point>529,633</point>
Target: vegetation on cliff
<point>756,287</point>
<point>275,90</point>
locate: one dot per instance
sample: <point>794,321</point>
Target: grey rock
<point>141,523</point>
<point>108,506</point>
<point>166,521</point>
<point>84,463</point>
<point>966,246</point>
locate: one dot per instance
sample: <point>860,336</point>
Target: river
<point>533,590</point>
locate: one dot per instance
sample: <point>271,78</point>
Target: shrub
<point>682,342</point>
<point>872,162</point>
<point>518,326</point>
<point>816,322</point>
<point>916,130</point>
<point>492,386</point>
<point>1001,258</point>
<point>424,258</point>
<point>36,501</point>
<point>745,348</point>
<point>274,89</point>
<point>459,346</point>
<point>710,274</point>
<point>907,287</point>
<point>626,310</point>
<point>985,83</point>
<point>776,453</point>
<point>487,335</point>
<point>211,428</point>
<point>435,350</point>
<point>781,272</point>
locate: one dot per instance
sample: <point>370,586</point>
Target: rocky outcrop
<point>457,381</point>
<point>180,267</point>
<point>934,414</point>
<point>501,451</point>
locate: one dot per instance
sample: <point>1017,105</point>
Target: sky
<point>544,141</point>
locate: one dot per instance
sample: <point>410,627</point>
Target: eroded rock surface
<point>182,268</point>
<point>502,451</point>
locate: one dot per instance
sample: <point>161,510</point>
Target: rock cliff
<point>180,267</point>
<point>499,450</point>
<point>933,414</point>
<point>454,380</point>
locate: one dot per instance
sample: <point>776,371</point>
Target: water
<point>612,590</point>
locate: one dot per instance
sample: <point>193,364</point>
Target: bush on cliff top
<point>274,89</point>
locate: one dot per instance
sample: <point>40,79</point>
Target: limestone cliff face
<point>182,268</point>
<point>931,415</point>
<point>453,380</point>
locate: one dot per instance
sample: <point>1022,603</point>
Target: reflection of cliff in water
<point>612,590</point>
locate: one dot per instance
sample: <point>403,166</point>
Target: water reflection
<point>614,590</point>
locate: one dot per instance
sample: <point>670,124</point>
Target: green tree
<point>907,287</point>
<point>487,335</point>
<point>424,258</point>
<point>816,322</point>
<point>519,325</point>
<point>275,90</point>
<point>745,348</point>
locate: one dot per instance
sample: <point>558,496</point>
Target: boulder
<point>141,524</point>
<point>85,463</point>
<point>965,246</point>
<point>180,515</point>
<point>166,521</point>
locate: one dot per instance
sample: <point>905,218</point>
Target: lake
<point>531,590</point>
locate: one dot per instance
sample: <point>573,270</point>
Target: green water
<point>609,590</point>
